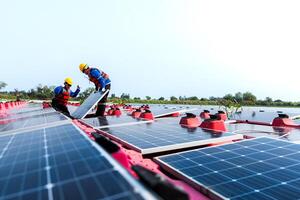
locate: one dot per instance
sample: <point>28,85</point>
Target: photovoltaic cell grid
<point>244,127</point>
<point>30,121</point>
<point>254,116</point>
<point>59,163</point>
<point>27,108</point>
<point>109,121</point>
<point>160,112</point>
<point>252,130</point>
<point>88,104</point>
<point>28,113</point>
<point>262,168</point>
<point>164,135</point>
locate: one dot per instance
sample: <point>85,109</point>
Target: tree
<point>161,99</point>
<point>238,97</point>
<point>113,95</point>
<point>125,96</point>
<point>228,97</point>
<point>83,95</point>
<point>148,97</point>
<point>212,98</point>
<point>269,99</point>
<point>193,98</point>
<point>173,98</point>
<point>2,85</point>
<point>248,96</point>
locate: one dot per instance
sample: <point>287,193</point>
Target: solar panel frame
<point>208,190</point>
<point>64,120</point>
<point>180,111</point>
<point>131,121</point>
<point>259,117</point>
<point>90,102</point>
<point>254,130</point>
<point>28,114</point>
<point>117,172</point>
<point>156,148</point>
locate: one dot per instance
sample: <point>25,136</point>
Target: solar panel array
<point>28,108</point>
<point>256,116</point>
<point>88,104</point>
<point>31,121</point>
<point>164,135</point>
<point>262,168</point>
<point>61,163</point>
<point>159,112</point>
<point>111,121</point>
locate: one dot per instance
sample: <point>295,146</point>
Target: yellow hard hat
<point>83,66</point>
<point>69,81</point>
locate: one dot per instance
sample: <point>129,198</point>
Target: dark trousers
<point>60,108</point>
<point>101,105</point>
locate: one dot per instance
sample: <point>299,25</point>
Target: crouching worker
<point>62,95</point>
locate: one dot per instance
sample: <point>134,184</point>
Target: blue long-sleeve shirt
<point>96,73</point>
<point>59,90</point>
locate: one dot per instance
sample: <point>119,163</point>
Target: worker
<point>62,95</point>
<point>102,83</point>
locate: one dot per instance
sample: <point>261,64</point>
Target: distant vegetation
<point>43,92</point>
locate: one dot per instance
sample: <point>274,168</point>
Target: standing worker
<point>101,81</point>
<point>62,95</point>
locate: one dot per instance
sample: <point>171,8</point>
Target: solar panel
<point>61,163</point>
<point>252,130</point>
<point>27,108</point>
<point>28,114</point>
<point>164,135</point>
<point>88,104</point>
<point>161,112</point>
<point>112,121</point>
<point>261,168</point>
<point>32,121</point>
<point>256,116</point>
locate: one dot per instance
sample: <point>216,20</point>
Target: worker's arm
<point>74,94</point>
<point>58,90</point>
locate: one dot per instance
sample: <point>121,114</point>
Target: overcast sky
<point>156,48</point>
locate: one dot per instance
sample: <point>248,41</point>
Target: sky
<point>155,48</point>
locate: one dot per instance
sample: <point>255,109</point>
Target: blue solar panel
<point>88,104</point>
<point>262,168</point>
<point>256,116</point>
<point>28,108</point>
<point>160,112</point>
<point>110,121</point>
<point>164,135</point>
<point>31,121</point>
<point>252,130</point>
<point>60,163</point>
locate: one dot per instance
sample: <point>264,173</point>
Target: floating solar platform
<point>30,113</point>
<point>32,121</point>
<point>61,163</point>
<point>256,116</point>
<point>112,121</point>
<point>261,168</point>
<point>240,127</point>
<point>26,108</point>
<point>165,135</point>
<point>253,130</point>
<point>88,104</point>
<point>161,112</point>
